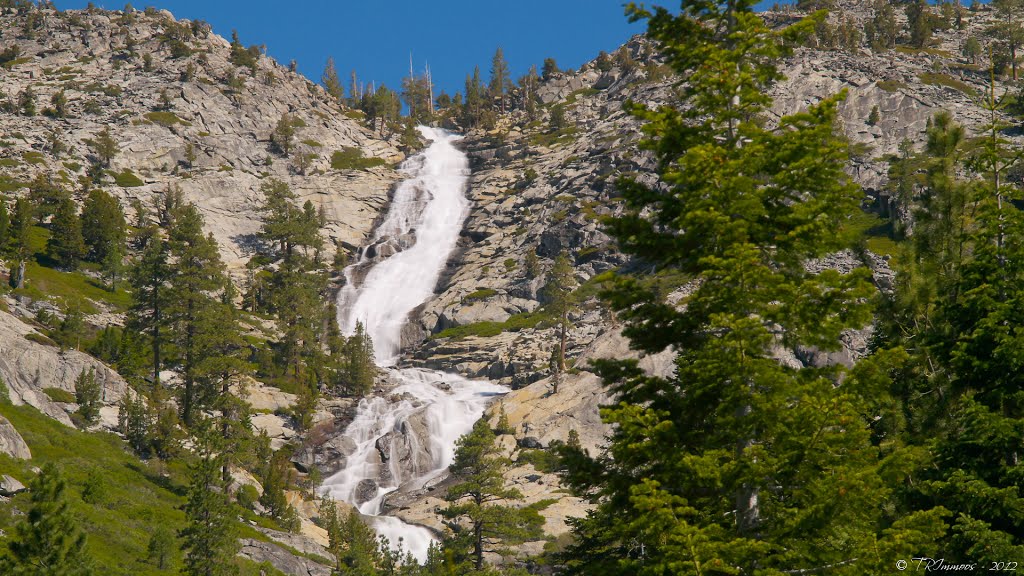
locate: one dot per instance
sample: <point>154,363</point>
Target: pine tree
<point>919,20</point>
<point>331,81</point>
<point>549,69</point>
<point>501,80</point>
<point>66,245</point>
<point>358,367</point>
<point>149,280</point>
<point>21,226</point>
<point>5,224</point>
<point>103,226</point>
<point>48,541</point>
<point>209,540</point>
<point>482,524</point>
<point>161,547</point>
<point>202,327</point>
<point>736,463</point>
<point>104,146</point>
<point>133,421</point>
<point>558,292</point>
<point>284,134</point>
<point>87,395</point>
<point>275,482</point>
<point>473,111</point>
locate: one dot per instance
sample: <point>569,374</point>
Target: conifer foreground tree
<point>737,464</point>
<point>480,514</point>
<point>48,541</point>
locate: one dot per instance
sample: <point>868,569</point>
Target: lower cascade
<point>407,439</point>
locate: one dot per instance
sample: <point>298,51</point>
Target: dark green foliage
<point>104,146</point>
<point>275,481</point>
<point>357,370</point>
<point>558,295</point>
<point>60,104</point>
<point>874,116</point>
<point>147,316</point>
<point>479,522</point>
<point>331,81</point>
<point>919,21</point>
<point>284,133</point>
<point>162,546</point>
<point>712,470</point>
<point>549,69</point>
<point>48,542</point>
<point>1008,31</point>
<point>209,538</point>
<point>241,56</point>
<point>133,421</point>
<point>27,101</point>
<point>352,159</point>
<point>66,246</point>
<point>881,31</point>
<point>87,394</point>
<point>5,224</point>
<point>501,81</point>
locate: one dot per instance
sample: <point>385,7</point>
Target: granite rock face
<point>11,442</point>
<point>190,120</point>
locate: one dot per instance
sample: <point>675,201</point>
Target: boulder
<point>10,486</point>
<point>11,443</point>
<point>281,559</point>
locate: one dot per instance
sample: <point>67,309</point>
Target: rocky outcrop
<point>190,119</point>
<point>11,443</point>
<point>281,559</point>
<point>28,367</point>
<point>9,486</point>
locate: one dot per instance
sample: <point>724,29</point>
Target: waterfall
<point>408,438</point>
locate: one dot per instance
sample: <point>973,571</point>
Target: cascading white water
<point>422,226</point>
<point>409,438</point>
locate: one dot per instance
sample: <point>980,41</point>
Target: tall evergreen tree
<point>103,225</point>
<point>357,366</point>
<point>5,224</point>
<point>1008,30</point>
<point>331,81</point>
<point>66,245</point>
<point>736,464</point>
<point>149,278</point>
<point>202,327</point>
<point>209,539</point>
<point>558,291</point>
<point>48,541</point>
<point>479,509</point>
<point>88,393</point>
<point>21,226</point>
<point>501,80</point>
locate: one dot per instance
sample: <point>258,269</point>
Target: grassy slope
<point>138,496</point>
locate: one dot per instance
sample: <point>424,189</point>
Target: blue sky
<point>375,37</point>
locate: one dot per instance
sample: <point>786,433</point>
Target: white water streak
<point>421,228</point>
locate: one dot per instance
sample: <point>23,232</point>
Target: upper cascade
<point>410,247</point>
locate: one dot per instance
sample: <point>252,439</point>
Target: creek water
<point>407,438</point>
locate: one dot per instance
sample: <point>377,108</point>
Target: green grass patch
<point>9,184</point>
<point>33,157</point>
<point>932,51</point>
<point>584,92</point>
<point>515,323</point>
<point>166,119</point>
<point>349,158</point>
<point>10,64</point>
<point>9,162</point>
<point>510,264</point>
<point>947,81</point>
<point>60,395</point>
<point>891,85</point>
<point>73,166</point>
<point>355,114</point>
<point>312,143</point>
<point>40,339</point>
<point>481,294</point>
<point>127,179</point>
<point>549,139</point>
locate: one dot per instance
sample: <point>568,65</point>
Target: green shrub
<point>127,179</point>
<point>543,460</point>
<point>349,158</point>
<point>515,323</point>
<point>247,496</point>
<point>510,264</point>
<point>33,157</point>
<point>40,339</point>
<point>481,294</point>
<point>166,119</point>
<point>59,395</point>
